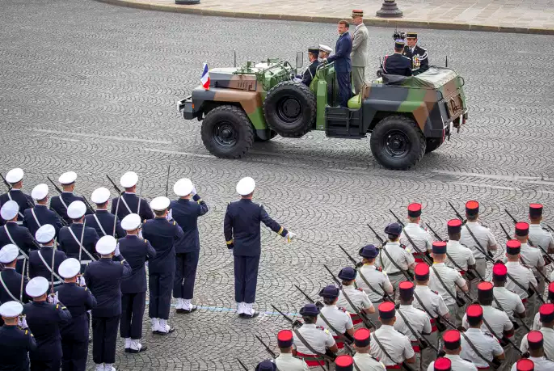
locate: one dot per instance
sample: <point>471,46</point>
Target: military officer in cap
<point>309,73</point>
<point>524,278</point>
<point>344,363</point>
<point>15,343</point>
<point>389,345</point>
<point>242,234</point>
<point>46,261</point>
<point>550,299</point>
<point>335,317</point>
<point>286,360</point>
<point>418,55</point>
<point>350,294</point>
<point>186,211</point>
<point>163,235</point>
<point>546,313</point>
<point>78,300</point>
<point>44,321</point>
<point>15,178</point>
<point>539,235</point>
<point>363,360</point>
<point>10,280</point>
<point>12,233</point>
<point>452,348</point>
<point>73,240</point>
<point>136,251</point>
<point>535,344</point>
<point>41,214</point>
<point>359,55</point>
<point>420,237</point>
<point>266,365</point>
<point>442,364</point>
<point>60,203</point>
<point>102,220</point>
<point>459,256</point>
<point>397,64</point>
<point>103,278</point>
<point>526,364</point>
<point>130,201</point>
<point>324,51</point>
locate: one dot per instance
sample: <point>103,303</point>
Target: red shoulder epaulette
<point>343,309</point>
<point>436,292</point>
<point>320,328</point>
<point>359,289</point>
<point>380,269</point>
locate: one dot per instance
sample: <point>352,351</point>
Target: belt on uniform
<point>394,367</point>
<point>311,359</point>
<point>433,325</point>
<point>415,347</point>
<point>418,256</point>
<point>355,318</point>
<point>463,273</point>
<point>480,258</point>
<point>394,274</point>
<point>524,300</point>
<point>340,344</point>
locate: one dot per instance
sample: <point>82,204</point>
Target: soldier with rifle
<point>60,203</point>
<point>546,314</point>
<point>11,282</point>
<point>413,235</point>
<point>353,299</point>
<point>459,256</point>
<point>40,214</point>
<point>131,203</point>
<point>550,299</point>
<point>535,340</point>
<point>521,279</point>
<point>539,235</point>
<point>363,360</point>
<point>286,359</point>
<point>452,340</point>
<point>14,182</point>
<point>13,233</point>
<point>46,261</point>
<point>104,222</point>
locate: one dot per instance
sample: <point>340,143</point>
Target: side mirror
<point>299,59</point>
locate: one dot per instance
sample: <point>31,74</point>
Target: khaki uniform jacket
<point>360,52</point>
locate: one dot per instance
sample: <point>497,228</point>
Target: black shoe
<point>241,315</point>
<point>179,310</point>
<point>250,316</point>
<point>187,311</point>
<point>171,329</point>
<point>142,349</point>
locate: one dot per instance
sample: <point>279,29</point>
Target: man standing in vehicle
<point>359,50</point>
<point>343,63</point>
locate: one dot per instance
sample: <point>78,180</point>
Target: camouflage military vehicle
<point>405,116</point>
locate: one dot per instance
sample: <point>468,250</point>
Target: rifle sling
<point>356,309</point>
<point>491,365</point>
<point>412,330</point>
<point>6,288</point>
<point>444,285</point>
<point>423,306</point>
<point>370,286</point>
<point>416,248</point>
<point>332,328</point>
<point>310,348</point>
<point>479,247</point>
<point>374,335</point>
<point>394,263</point>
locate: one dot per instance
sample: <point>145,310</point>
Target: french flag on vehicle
<point>205,77</point>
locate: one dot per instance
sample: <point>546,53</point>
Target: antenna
<point>234,58</point>
<point>446,62</point>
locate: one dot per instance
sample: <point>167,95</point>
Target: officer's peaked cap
<point>9,210</point>
<point>14,175</point>
<point>8,254</point>
<point>45,234</point>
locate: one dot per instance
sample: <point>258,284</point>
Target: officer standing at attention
<point>546,313</point>
<point>103,278</point>
<point>15,343</point>
<point>539,235</point>
<point>523,276</point>
<point>130,201</point>
<point>60,203</point>
<point>337,317</point>
<point>186,213</point>
<point>136,252</point>
<point>363,360</point>
<point>46,261</point>
<point>452,347</point>
<point>418,55</point>
<point>15,178</point>
<point>421,238</point>
<point>309,73</point>
<point>242,234</point>
<point>102,220</point>
<point>78,300</point>
<point>359,54</point>
<point>458,255</point>
<point>12,233</point>
<point>163,235</point>
<point>397,64</point>
<point>10,280</point>
<point>44,321</point>
<point>40,214</point>
<point>343,64</point>
<point>356,295</point>
<point>285,360</point>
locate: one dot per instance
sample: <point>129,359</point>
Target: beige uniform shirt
<point>450,277</point>
<point>317,337</point>
<point>377,279</point>
<point>460,254</point>
<point>286,361</point>
<point>510,301</point>
<point>397,345</point>
<point>432,301</point>
<point>419,320</point>
<point>402,257</point>
<point>497,320</point>
<point>365,362</point>
<point>541,237</point>
<point>548,342</point>
<point>339,319</point>
<point>458,364</point>
<point>531,256</point>
<point>485,343</point>
<point>357,296</point>
<point>522,275</point>
<point>420,236</point>
<point>483,235</point>
<point>540,364</point>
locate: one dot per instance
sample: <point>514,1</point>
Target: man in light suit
<point>359,50</point>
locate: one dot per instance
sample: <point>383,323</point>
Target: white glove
<point>169,215</point>
<point>22,322</point>
<point>140,234</point>
<point>81,281</point>
<point>193,192</point>
<point>290,236</point>
<point>53,298</point>
<point>117,253</point>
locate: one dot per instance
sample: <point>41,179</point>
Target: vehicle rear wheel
<point>397,143</point>
<point>433,144</point>
<point>227,132</point>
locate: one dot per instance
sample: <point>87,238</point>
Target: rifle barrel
<point>397,218</point>
<point>347,254</point>
<point>55,185</point>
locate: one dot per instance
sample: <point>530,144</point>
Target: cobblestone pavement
<point>93,88</point>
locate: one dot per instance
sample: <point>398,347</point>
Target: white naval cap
<point>45,233</point>
<point>100,195</point>
<point>40,192</point>
<point>325,48</point>
<point>131,222</point>
<point>160,203</point>
<point>245,186</point>
<point>76,209</point>
<point>14,175</point>
<point>129,179</point>
<point>37,287</point>
<point>106,245</point>
<point>8,253</point>
<point>183,187</point>
<point>68,178</point>
<point>9,210</point>
<point>11,309</point>
<point>69,268</point>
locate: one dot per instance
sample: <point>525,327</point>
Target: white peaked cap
<point>76,209</point>
<point>68,178</point>
<point>106,245</point>
<point>183,187</point>
<point>14,175</point>
<point>69,268</point>
<point>11,309</point>
<point>128,179</point>
<point>40,192</point>
<point>160,203</point>
<point>325,48</point>
<point>100,195</point>
<point>130,222</point>
<point>45,233</point>
<point>9,210</point>
<point>37,287</point>
<point>245,186</point>
<point>8,253</point>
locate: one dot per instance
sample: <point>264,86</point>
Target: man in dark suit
<point>60,203</point>
<point>418,55</point>
<point>186,213</point>
<point>40,214</point>
<point>130,201</point>
<point>102,220</point>
<point>46,261</point>
<point>12,233</point>
<point>10,280</point>
<point>242,234</point>
<point>136,251</point>
<point>343,64</point>
<point>309,74</point>
<point>15,179</point>
<point>103,278</point>
<point>397,64</point>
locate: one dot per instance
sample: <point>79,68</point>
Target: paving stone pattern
<point>93,88</point>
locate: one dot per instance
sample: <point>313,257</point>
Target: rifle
<point>458,215</point>
<point>89,206</point>
<point>52,272</point>
<point>119,191</point>
<point>81,247</point>
<point>271,353</point>
<point>55,185</point>
<point>486,253</point>
<point>294,323</point>
<point>65,224</point>
<point>546,257</point>
<point>508,237</point>
<point>242,364</point>
<point>504,340</point>
<point>376,235</point>
<point>167,181</point>
<point>423,253</point>
<point>549,227</point>
<point>423,343</point>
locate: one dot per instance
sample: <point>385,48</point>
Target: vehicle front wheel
<point>397,143</point>
<point>227,132</point>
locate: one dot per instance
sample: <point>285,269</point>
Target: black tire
<point>271,136</point>
<point>290,109</point>
<point>227,132</point>
<point>397,143</point>
<point>433,144</point>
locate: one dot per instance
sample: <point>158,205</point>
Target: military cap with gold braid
<point>313,49</point>
<point>399,44</point>
<point>357,13</point>
<point>411,35</point>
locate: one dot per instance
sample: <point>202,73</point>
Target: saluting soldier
<point>163,235</point>
<point>524,278</point>
<point>355,295</point>
<point>186,213</point>
<point>12,233</point>
<point>242,234</point>
<point>78,300</point>
<point>10,280</point>
<point>286,360</point>
<point>539,235</point>
<point>452,347</point>
<point>504,299</point>
<point>102,220</point>
<point>550,299</point>
<point>46,261</point>
<point>546,313</point>
<point>15,343</point>
<point>421,238</point>
<point>103,278</point>
<point>15,178</point>
<point>460,257</point>
<point>360,52</point>
<point>535,341</point>
<point>337,317</point>
<point>44,321</point>
<point>136,251</point>
<point>60,203</point>
<point>130,201</point>
<point>363,360</point>
<point>41,214</point>
<point>418,55</point>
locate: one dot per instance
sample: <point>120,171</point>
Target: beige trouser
<point>481,268</point>
<point>374,317</point>
<point>429,354</point>
<point>358,78</point>
<point>453,310</point>
<point>511,357</point>
<point>395,281</point>
<point>417,365</point>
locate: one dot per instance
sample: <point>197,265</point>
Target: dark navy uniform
<point>38,268</point>
<point>23,200</point>
<point>21,237</point>
<point>61,203</point>
<point>420,61</point>
<point>309,74</point>
<point>163,235</point>
<point>105,227</point>
<point>131,206</point>
<point>397,64</point>
<point>242,233</point>
<point>10,282</point>
<point>70,244</point>
<point>343,67</point>
<point>78,300</point>
<point>136,251</point>
<point>186,213</point>
<point>15,345</point>
<point>44,321</point>
<point>44,216</point>
<point>103,278</point>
